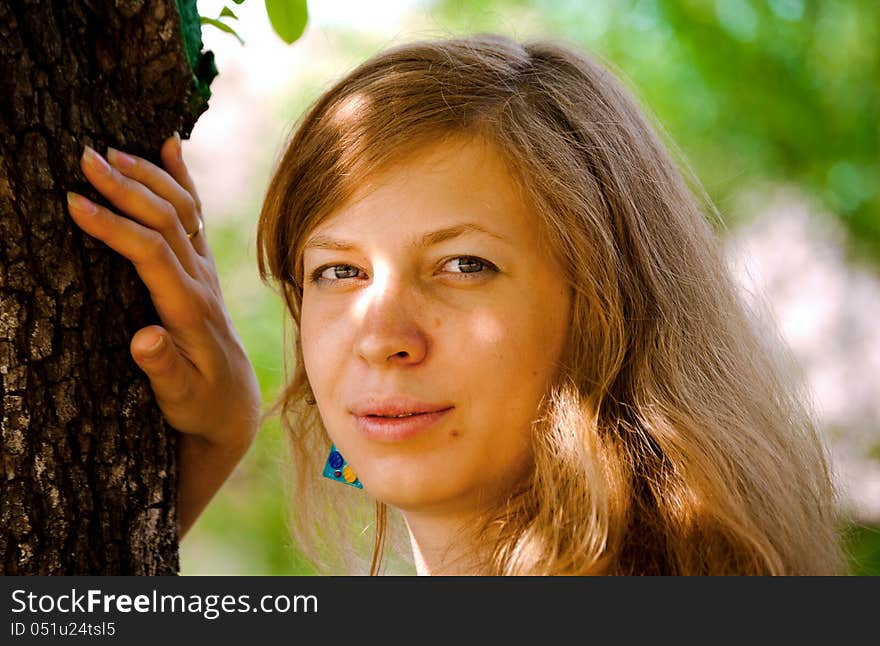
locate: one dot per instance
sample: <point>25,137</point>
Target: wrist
<point>235,436</point>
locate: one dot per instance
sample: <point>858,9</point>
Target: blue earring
<point>338,469</point>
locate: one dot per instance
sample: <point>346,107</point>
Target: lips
<point>396,407</point>
<point>395,420</point>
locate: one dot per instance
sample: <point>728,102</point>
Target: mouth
<point>398,427</point>
<point>403,415</point>
<point>395,407</point>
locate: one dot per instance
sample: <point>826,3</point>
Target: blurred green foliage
<point>862,545</point>
<point>752,91</point>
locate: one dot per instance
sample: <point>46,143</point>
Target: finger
<point>172,376</point>
<point>137,201</point>
<point>171,289</point>
<point>172,159</point>
<point>159,182</point>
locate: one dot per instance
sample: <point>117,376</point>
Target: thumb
<point>155,353</point>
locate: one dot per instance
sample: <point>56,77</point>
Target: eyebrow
<point>321,241</point>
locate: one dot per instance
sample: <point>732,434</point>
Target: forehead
<point>440,184</point>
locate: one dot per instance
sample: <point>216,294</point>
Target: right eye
<point>334,273</point>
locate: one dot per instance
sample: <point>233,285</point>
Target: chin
<point>415,491</point>
<point>429,485</point>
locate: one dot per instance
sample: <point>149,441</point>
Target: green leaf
<point>227,12</point>
<point>238,1</point>
<point>221,26</point>
<point>288,18</point>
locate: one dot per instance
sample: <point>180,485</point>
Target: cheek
<point>309,341</point>
<point>526,349</point>
<point>520,343</point>
<point>485,333</point>
<point>321,345</point>
<point>506,358</point>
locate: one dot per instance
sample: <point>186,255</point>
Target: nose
<point>390,332</point>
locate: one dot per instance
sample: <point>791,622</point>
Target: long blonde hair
<point>676,439</point>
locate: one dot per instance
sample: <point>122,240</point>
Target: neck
<point>443,545</point>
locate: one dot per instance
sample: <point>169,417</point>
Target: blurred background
<point>775,103</point>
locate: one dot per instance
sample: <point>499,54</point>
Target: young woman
<point>514,326</point>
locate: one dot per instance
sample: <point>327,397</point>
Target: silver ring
<point>197,231</point>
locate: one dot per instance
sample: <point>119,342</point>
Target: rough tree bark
<point>88,479</point>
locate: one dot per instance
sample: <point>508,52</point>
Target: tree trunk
<point>88,482</point>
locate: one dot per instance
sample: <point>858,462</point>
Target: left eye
<point>468,265</point>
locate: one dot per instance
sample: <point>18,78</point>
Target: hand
<point>202,378</point>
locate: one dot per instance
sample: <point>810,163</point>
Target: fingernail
<point>154,349</point>
<point>120,159</point>
<point>95,160</point>
<point>81,204</point>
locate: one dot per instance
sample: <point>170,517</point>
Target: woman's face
<point>429,294</point>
